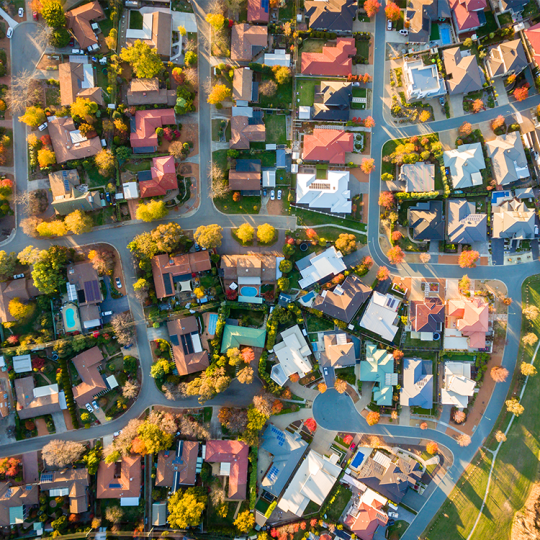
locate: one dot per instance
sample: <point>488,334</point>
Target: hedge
<point>254,460</point>
<point>269,384</point>
<point>270,509</point>
<point>68,391</point>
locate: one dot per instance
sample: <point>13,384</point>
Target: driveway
<point>456,105</point>
<point>59,421</point>
<point>497,251</point>
<point>116,305</point>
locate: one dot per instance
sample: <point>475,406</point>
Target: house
<point>83,284</point>
<point>148,92</point>
<point>35,400</point>
<point>293,353</point>
<point>332,99</point>
<point>175,469</point>
<point>22,363</point>
<point>120,480</point>
<point>88,365</point>
<point>143,137</point>
<point>313,481</point>
<point>156,32</point>
<point>68,142</point>
<point>236,336</point>
<point>367,515</point>
<point>324,266</point>
<point>247,41</point>
<point>327,145</point>
<point>507,58</point>
<point>515,7</point>
<point>467,323</point>
<point>188,354</point>
<point>426,318</point>
<point>462,72</point>
<point>77,80</point>
<point>465,163</point>
<point>417,177</point>
<point>245,130</point>
<point>244,89</point>
<point>533,40</point>
<point>331,195</point>
<point>16,502</point>
<point>246,177</point>
<point>381,315</point>
<point>72,483</point>
<point>417,390</point>
<point>232,457</point>
<point>160,179</point>
<point>426,220</point>
<point>331,16</point>
<point>508,160</point>
<point>169,270</point>
<point>422,81</point>
<point>335,60</point>
<point>258,11</point>
<point>378,367</point>
<point>67,195</point>
<point>345,300</point>
<point>457,385</point>
<point>468,14</point>
<point>250,273</point>
<point>23,289</point>
<point>465,226</point>
<point>284,451</point>
<point>419,16</point>
<point>78,20</point>
<point>512,219</point>
<point>278,58</point>
<point>339,351</point>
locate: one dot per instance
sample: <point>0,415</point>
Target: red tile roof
<point>147,122</point>
<point>335,61</point>
<point>163,178</point>
<point>475,5</point>
<point>236,453</point>
<point>533,35</point>
<point>121,479</point>
<point>465,19</point>
<point>86,365</point>
<point>367,521</point>
<point>78,21</point>
<point>472,319</point>
<point>256,13</point>
<point>327,145</point>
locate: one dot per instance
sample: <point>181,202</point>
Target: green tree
<point>21,311</point>
<point>33,116</point>
<point>53,13</point>
<point>160,368</point>
<point>151,211</point>
<point>209,236</point>
<point>283,284</point>
<point>78,222</point>
<point>123,152</point>
<point>245,521</point>
<point>285,266</point>
<point>266,233</point>
<point>8,264</point>
<point>288,250</point>
<point>190,58</point>
<point>92,458</point>
<point>154,438</point>
<point>49,271</point>
<point>143,59</point>
<point>186,508</point>
<point>346,243</point>
<point>245,233</point>
<point>85,417</point>
<point>83,108</point>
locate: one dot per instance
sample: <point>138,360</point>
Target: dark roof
<point>332,15</point>
<point>333,100</point>
<point>248,165</point>
<point>427,220</point>
<point>427,316</point>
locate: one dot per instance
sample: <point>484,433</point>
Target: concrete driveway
<point>456,105</point>
<point>329,379</point>
<point>116,305</point>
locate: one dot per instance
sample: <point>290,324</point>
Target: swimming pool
<point>249,291</point>
<point>212,321</point>
<point>446,37</point>
<point>70,318</point>
<point>498,195</point>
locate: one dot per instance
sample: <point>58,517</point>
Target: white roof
<point>22,364</point>
<point>131,190</point>
<point>332,192</point>
<point>146,32</point>
<point>278,375</point>
<point>2,362</point>
<point>225,468</point>
<point>49,390</point>
<point>93,323</point>
<point>129,501</point>
<point>111,381</point>
<point>458,385</point>
<point>196,340</point>
<point>465,164</point>
<point>293,352</point>
<point>59,492</point>
<point>381,315</point>
<point>278,58</point>
<point>304,112</point>
<point>268,179</point>
<point>327,263</point>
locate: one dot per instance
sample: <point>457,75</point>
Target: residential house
<point>156,32</point>
<point>513,220</point>
<point>258,11</point>
<point>417,177</point>
<point>313,481</point>
<point>327,145</point>
<point>247,129</point>
<point>68,142</point>
<point>339,350</point>
<point>16,502</point>
<point>120,480</point>
<point>232,457</point>
<point>160,179</point>
<point>67,195</point>
<point>250,273</point>
<point>465,163</point>
<point>83,284</point>
<point>345,300</point>
<point>515,7</point>
<point>246,177</point>
<point>247,41</point>
<point>244,89</point>
<point>324,266</point>
<point>79,21</point>
<point>175,469</point>
<point>143,137</point>
<point>468,14</point>
<point>533,40</point>
<point>422,81</point>
<point>417,389</point>
<point>331,16</point>
<point>419,16</point>
<point>35,400</point>
<point>77,80</point>
<point>238,336</point>
<point>465,226</point>
<point>169,270</point>
<point>278,58</point>
<point>188,354</point>
<point>467,323</point>
<point>426,311</point>
<point>148,92</point>
<point>457,385</point>
<point>283,451</point>
<point>293,353</point>
<point>88,364</point>
<point>332,99</point>
<point>462,72</point>
<point>23,289</point>
<point>381,315</point>
<point>72,483</point>
<point>330,195</point>
<point>508,160</point>
<point>507,58</point>
<point>378,367</point>
<point>335,60</point>
<point>426,220</point>
<point>367,515</point>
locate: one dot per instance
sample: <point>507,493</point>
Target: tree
<point>499,374</point>
<point>459,417</point>
<point>285,266</point>
<point>245,375</point>
<point>245,233</point>
<point>46,157</point>
<point>266,233</point>
<point>396,236</point>
<point>190,58</point>
<point>392,11</point>
<point>340,385</point>
<point>372,7</point>
<point>527,369</point>
<point>529,339</point>
<point>245,521</point>
<point>176,149</point>
<point>369,122</point>
<point>248,355</point>
<point>383,273</point>
<point>102,261</point>
<point>477,106</point>
<point>114,514</point>
<point>531,312</point>
<point>186,508</point>
<point>398,355</point>
<point>20,311</point>
<point>60,454</point>
<point>283,284</point>
<point>199,292</point>
<point>83,108</point>
<point>387,199</point>
<point>372,418</point>
<point>8,264</point>
<point>521,93</point>
<point>160,368</point>
<point>367,165</point>
<point>216,20</point>
<point>53,13</point>
<point>514,406</point>
<point>123,152</point>
<point>155,440</point>
<point>48,272</point>
<point>122,324</point>
<point>321,387</point>
<point>463,440</point>
<point>268,88</point>
<point>219,93</point>
<point>78,222</point>
<point>51,228</point>
<point>209,236</point>
<point>432,448</point>
<point>464,284</point>
<point>425,115</point>
<point>497,122</point>
<point>144,60</point>
<point>105,162</point>
<point>151,210</point>
<point>395,255</point>
<point>282,74</point>
<point>465,129</point>
<point>500,436</point>
<point>425,257</point>
<point>468,259</point>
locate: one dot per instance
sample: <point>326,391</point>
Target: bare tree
<point>166,421</point>
<point>190,75</point>
<point>268,88</point>
<point>216,6</point>
<point>62,453</point>
<point>29,226</point>
<point>17,95</point>
<point>425,257</point>
<point>130,390</point>
<point>463,440</point>
<point>43,36</point>
<point>114,514</point>
<point>217,495</point>
<point>263,403</point>
<point>238,421</point>
<point>172,391</point>
<point>123,328</point>
<point>192,429</point>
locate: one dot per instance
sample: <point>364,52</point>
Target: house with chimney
<point>121,480</point>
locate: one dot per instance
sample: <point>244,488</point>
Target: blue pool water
<point>357,461</point>
<point>248,291</point>
<point>497,195</point>
<point>212,321</point>
<point>445,35</point>
<point>70,318</point>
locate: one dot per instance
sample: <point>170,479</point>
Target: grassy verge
<point>305,217</point>
<point>246,205</point>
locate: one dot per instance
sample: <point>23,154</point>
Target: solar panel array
<point>167,283</point>
<point>187,344</point>
<point>66,181</point>
<point>47,477</point>
<point>279,436</point>
<point>265,5</point>
<point>174,340</point>
<point>115,486</point>
<point>91,291</point>
<point>9,493</point>
<point>273,473</point>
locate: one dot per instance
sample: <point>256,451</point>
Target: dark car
<point>108,197</point>
<point>264,192</point>
<point>35,14</point>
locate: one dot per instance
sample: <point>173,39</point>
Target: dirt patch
<point>365,208</point>
<point>190,133</point>
<point>67,420</point>
<point>49,61</point>
<point>133,204</point>
<point>275,208</point>
<point>41,427</point>
<point>359,175</point>
<point>526,524</point>
<point>448,259</point>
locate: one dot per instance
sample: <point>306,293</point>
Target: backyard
<point>282,99</point>
<point>276,128</point>
<point>306,89</point>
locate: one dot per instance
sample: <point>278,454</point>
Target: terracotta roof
<point>186,466</point>
<point>236,453</point>
<point>254,265</point>
<point>163,178</point>
<point>367,520</point>
<point>148,92</point>
<point>120,479</point>
<point>71,76</point>
<point>426,316</point>
<point>78,21</point>
<point>86,365</point>
<point>64,147</point>
<point>146,123</point>
<point>248,180</point>
<point>185,339</point>
<point>14,496</point>
<point>327,145</point>
<point>242,133</point>
<point>161,33</point>
<point>465,19</point>
<point>29,406</point>
<point>475,5</point>
<point>76,480</point>
<point>165,268</point>
<point>335,60</point>
<point>258,11</point>
<point>533,35</point>
<point>242,84</point>
<point>247,41</point>
<point>18,288</point>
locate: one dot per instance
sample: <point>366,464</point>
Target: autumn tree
<point>395,255</point>
<point>497,122</point>
<point>266,233</point>
<point>216,20</point>
<point>372,7</point>
<point>282,74</point>
<point>369,122</point>
<point>477,106</point>
<point>114,514</point>
<point>425,258</point>
<point>102,261</point>
<point>527,369</point>
<point>245,233</point>
<point>500,436</point>
<point>465,129</point>
<point>340,385</point>
<point>514,406</point>
<point>367,165</point>
<point>152,210</point>
<point>321,387</point>
<point>382,273</point>
<point>268,88</point>
<point>105,162</point>
<point>392,11</point>
<point>33,116</point>
<point>186,508</point>
<point>130,390</point>
<point>531,312</point>
<point>244,522</point>
<point>154,439</point>
<point>459,417</point>
<point>248,355</point>
<point>463,439</point>
<point>499,374</point>
<point>468,259</point>
<point>464,284</point>
<point>372,418</point>
<point>209,236</point>
<point>124,330</point>
<point>83,109</point>
<point>219,93</point>
<point>78,222</point>
<point>51,228</point>
<point>425,115</point>
<point>432,448</point>
<point>346,243</point>
<point>396,236</point>
<point>398,355</point>
<point>521,93</point>
<point>245,375</point>
<point>144,59</point>
<point>21,311</point>
<point>46,157</point>
<point>60,454</point>
<point>529,339</point>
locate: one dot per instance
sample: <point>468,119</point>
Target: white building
<point>331,194</point>
<point>381,315</point>
<point>421,81</point>
<point>278,58</point>
<point>457,384</point>
<point>315,268</point>
<point>293,354</point>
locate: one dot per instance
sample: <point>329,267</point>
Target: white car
<point>21,12</point>
<point>404,32</point>
<point>89,407</point>
<point>394,515</point>
<point>272,195</point>
<point>389,25</point>
<point>9,32</point>
<point>18,276</point>
<point>279,195</point>
<point>325,371</point>
<point>43,126</point>
<point>95,405</point>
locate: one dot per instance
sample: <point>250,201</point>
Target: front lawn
<point>505,18</point>
<point>337,501</point>
<point>305,217</point>
<point>135,20</point>
<point>362,48</point>
<point>246,205</point>
<point>276,128</point>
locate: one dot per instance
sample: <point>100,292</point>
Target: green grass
<point>306,217</point>
<point>52,96</point>
<point>287,12</point>
<point>504,18</point>
<point>282,99</point>
<point>276,129</point>
<point>283,178</point>
<point>418,344</point>
<point>314,324</point>
<point>137,166</point>
<point>106,26</point>
<point>219,157</point>
<point>246,205</point>
<point>306,87</point>
<point>329,233</point>
<point>216,125</point>
<point>359,92</point>
<point>337,501</point>
<point>362,48</point>
<point>397,530</point>
<point>95,179</point>
<point>489,27</point>
<point>135,20</point>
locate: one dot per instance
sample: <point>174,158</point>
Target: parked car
<point>77,51</point>
<point>89,407</point>
<point>18,276</point>
<point>390,522</point>
<point>95,405</point>
<point>118,282</point>
<point>9,32</point>
<point>265,192</point>
<point>404,32</point>
<point>106,313</point>
<point>279,195</point>
<point>21,12</point>
<point>389,25</point>
<point>35,14</point>
<point>325,371</point>
<point>272,195</point>
<point>43,126</point>
<point>394,515</point>
<point>197,247</point>
<point>108,197</point>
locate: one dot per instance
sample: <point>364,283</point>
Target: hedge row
<point>68,391</point>
<point>269,384</point>
<point>254,460</point>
